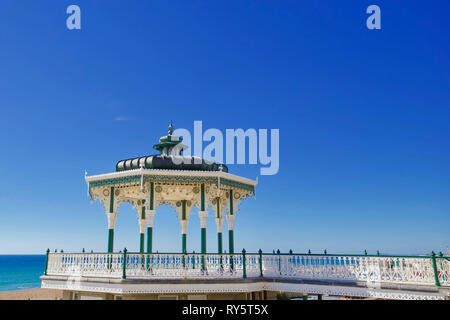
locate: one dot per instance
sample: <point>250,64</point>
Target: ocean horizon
<point>21,271</point>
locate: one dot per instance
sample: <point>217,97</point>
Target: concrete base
<point>231,289</point>
<point>84,295</point>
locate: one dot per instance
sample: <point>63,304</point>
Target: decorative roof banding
<point>170,162</point>
<point>171,176</point>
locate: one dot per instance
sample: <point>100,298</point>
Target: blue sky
<point>363,118</point>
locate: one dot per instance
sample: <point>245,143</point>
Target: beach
<point>32,294</point>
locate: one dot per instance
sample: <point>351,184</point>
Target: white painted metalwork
<point>443,269</point>
<point>372,269</point>
<point>85,264</point>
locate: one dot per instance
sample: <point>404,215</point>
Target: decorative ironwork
<point>171,179</point>
<point>378,269</point>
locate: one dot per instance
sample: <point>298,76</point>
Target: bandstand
<point>191,185</point>
<point>185,183</point>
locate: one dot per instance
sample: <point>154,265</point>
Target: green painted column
<point>219,222</point>
<point>203,235</point>
<point>149,239</point>
<point>183,243</point>
<point>219,227</point>
<point>230,219</point>
<point>150,216</point>
<point>142,230</point>
<point>141,243</point>
<point>219,243</point>
<point>111,227</point>
<point>230,225</point>
<point>110,240</point>
<point>184,222</point>
<point>231,241</point>
<point>183,230</point>
<point>202,197</point>
<point>46,261</point>
<point>436,275</point>
<point>203,216</point>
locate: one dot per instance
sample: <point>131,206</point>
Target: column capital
<point>142,224</point>
<point>219,223</point>
<point>203,217</point>
<point>184,224</point>
<point>149,217</point>
<point>230,220</point>
<point>111,219</point>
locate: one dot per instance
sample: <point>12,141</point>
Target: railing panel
<point>180,266</point>
<point>355,268</point>
<point>443,269</point>
<point>94,265</point>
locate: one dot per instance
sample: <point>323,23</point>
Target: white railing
<point>85,264</point>
<point>443,270</point>
<point>405,270</point>
<point>413,270</point>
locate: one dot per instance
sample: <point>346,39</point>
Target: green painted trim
<point>231,202</point>
<point>202,197</point>
<point>260,263</point>
<point>237,185</point>
<point>124,264</point>
<point>183,243</point>
<point>183,235</point>
<point>218,207</point>
<point>279,261</point>
<point>219,243</point>
<point>143,212</point>
<point>115,181</point>
<point>46,261</point>
<point>180,179</point>
<point>244,267</point>
<point>111,200</point>
<point>203,245</point>
<point>152,195</point>
<point>203,240</point>
<point>110,240</point>
<point>149,239</point>
<point>183,248</point>
<point>231,241</point>
<point>183,209</point>
<point>347,255</point>
<point>268,254</point>
<point>436,275</point>
<point>141,242</point>
<point>219,247</point>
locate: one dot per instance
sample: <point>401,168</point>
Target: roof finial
<point>170,128</point>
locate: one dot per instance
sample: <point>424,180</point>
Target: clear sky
<point>363,118</point>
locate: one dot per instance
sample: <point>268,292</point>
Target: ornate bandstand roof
<point>170,158</point>
<point>173,176</point>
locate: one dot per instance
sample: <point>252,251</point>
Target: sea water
<point>19,272</point>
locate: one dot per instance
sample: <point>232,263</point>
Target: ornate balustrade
<point>443,270</point>
<point>417,270</point>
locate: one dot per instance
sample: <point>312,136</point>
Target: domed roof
<point>170,163</point>
<point>170,158</point>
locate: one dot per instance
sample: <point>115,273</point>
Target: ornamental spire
<point>171,128</point>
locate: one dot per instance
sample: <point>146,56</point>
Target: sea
<point>19,272</point>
